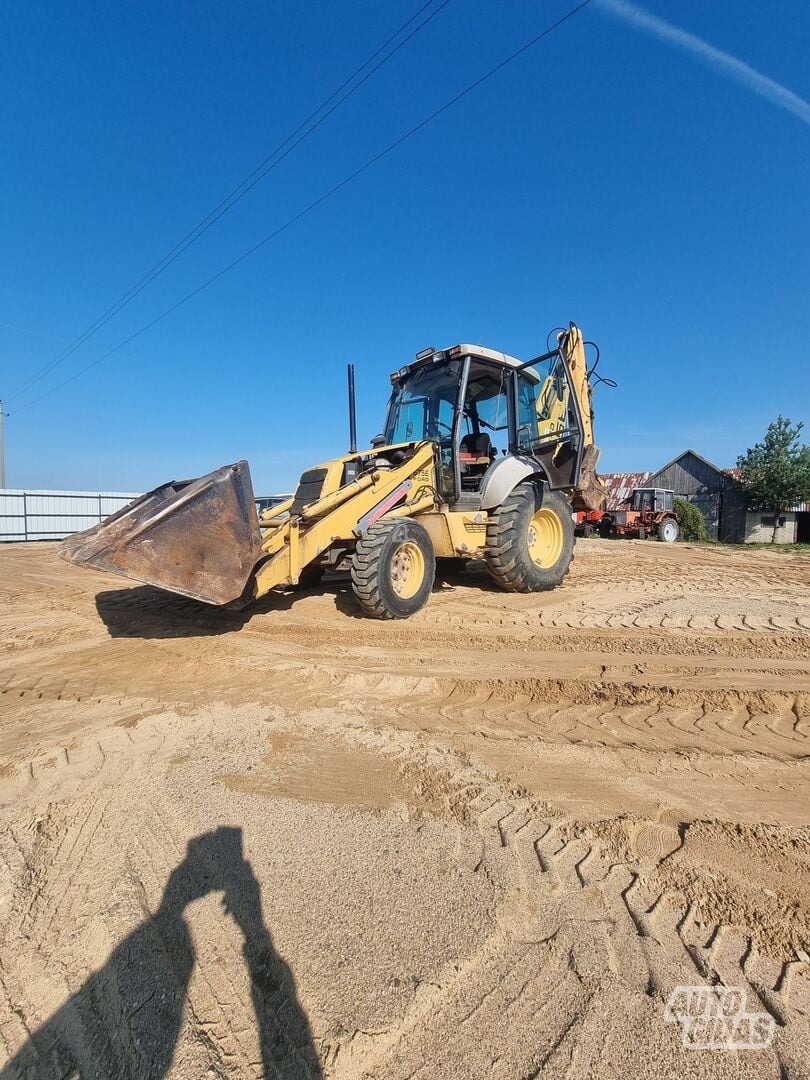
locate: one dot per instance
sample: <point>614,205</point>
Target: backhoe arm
<point>590,493</point>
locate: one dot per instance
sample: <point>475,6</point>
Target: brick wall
<point>758,533</point>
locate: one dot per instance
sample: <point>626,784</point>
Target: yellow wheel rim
<point>407,569</point>
<point>545,538</point>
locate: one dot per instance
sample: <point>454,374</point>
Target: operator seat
<point>476,447</point>
<point>475,457</point>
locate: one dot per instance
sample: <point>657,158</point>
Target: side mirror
<point>378,440</point>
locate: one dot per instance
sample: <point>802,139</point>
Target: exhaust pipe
<point>352,412</point>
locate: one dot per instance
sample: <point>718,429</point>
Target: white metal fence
<point>50,515</point>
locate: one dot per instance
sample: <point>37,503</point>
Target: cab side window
<point>527,413</point>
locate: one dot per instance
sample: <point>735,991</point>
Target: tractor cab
<point>653,500</point>
<point>481,407</point>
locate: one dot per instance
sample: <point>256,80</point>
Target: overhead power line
<point>273,159</point>
<point>33,333</point>
<point>317,202</point>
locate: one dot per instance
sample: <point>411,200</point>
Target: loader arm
<point>343,513</point>
<point>202,538</point>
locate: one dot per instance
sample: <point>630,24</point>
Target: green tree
<point>776,471</point>
<point>690,520</point>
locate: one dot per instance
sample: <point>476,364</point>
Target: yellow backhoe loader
<point>483,456</point>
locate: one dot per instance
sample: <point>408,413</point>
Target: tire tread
<point>506,552</point>
<point>367,567</point>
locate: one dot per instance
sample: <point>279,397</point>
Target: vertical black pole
<point>352,413</point>
<point>2,451</point>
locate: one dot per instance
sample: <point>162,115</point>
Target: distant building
<point>718,496</point>
<point>621,485</point>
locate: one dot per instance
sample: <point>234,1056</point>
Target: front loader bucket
<point>199,538</point>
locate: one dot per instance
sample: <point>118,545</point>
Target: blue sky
<point>610,176</point>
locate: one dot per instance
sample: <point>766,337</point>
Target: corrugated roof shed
<point>620,486</point>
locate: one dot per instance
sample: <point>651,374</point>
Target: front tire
<point>393,569</point>
<point>530,540</point>
<point>668,531</point>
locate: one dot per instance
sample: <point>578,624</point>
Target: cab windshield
<point>424,405</point>
<point>653,499</point>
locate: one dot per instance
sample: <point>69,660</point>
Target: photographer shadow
<point>125,1020</point>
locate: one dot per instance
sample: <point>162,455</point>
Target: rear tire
<point>530,540</point>
<point>668,531</point>
<point>393,569</point>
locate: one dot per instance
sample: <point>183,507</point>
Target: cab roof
<point>479,352</point>
<point>483,353</point>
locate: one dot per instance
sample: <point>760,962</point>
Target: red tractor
<point>648,512</point>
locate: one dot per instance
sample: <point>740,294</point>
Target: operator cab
<point>653,500</point>
<point>479,405</point>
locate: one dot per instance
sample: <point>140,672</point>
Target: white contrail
<point>736,69</point>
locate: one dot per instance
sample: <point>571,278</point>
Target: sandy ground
<point>486,842</point>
